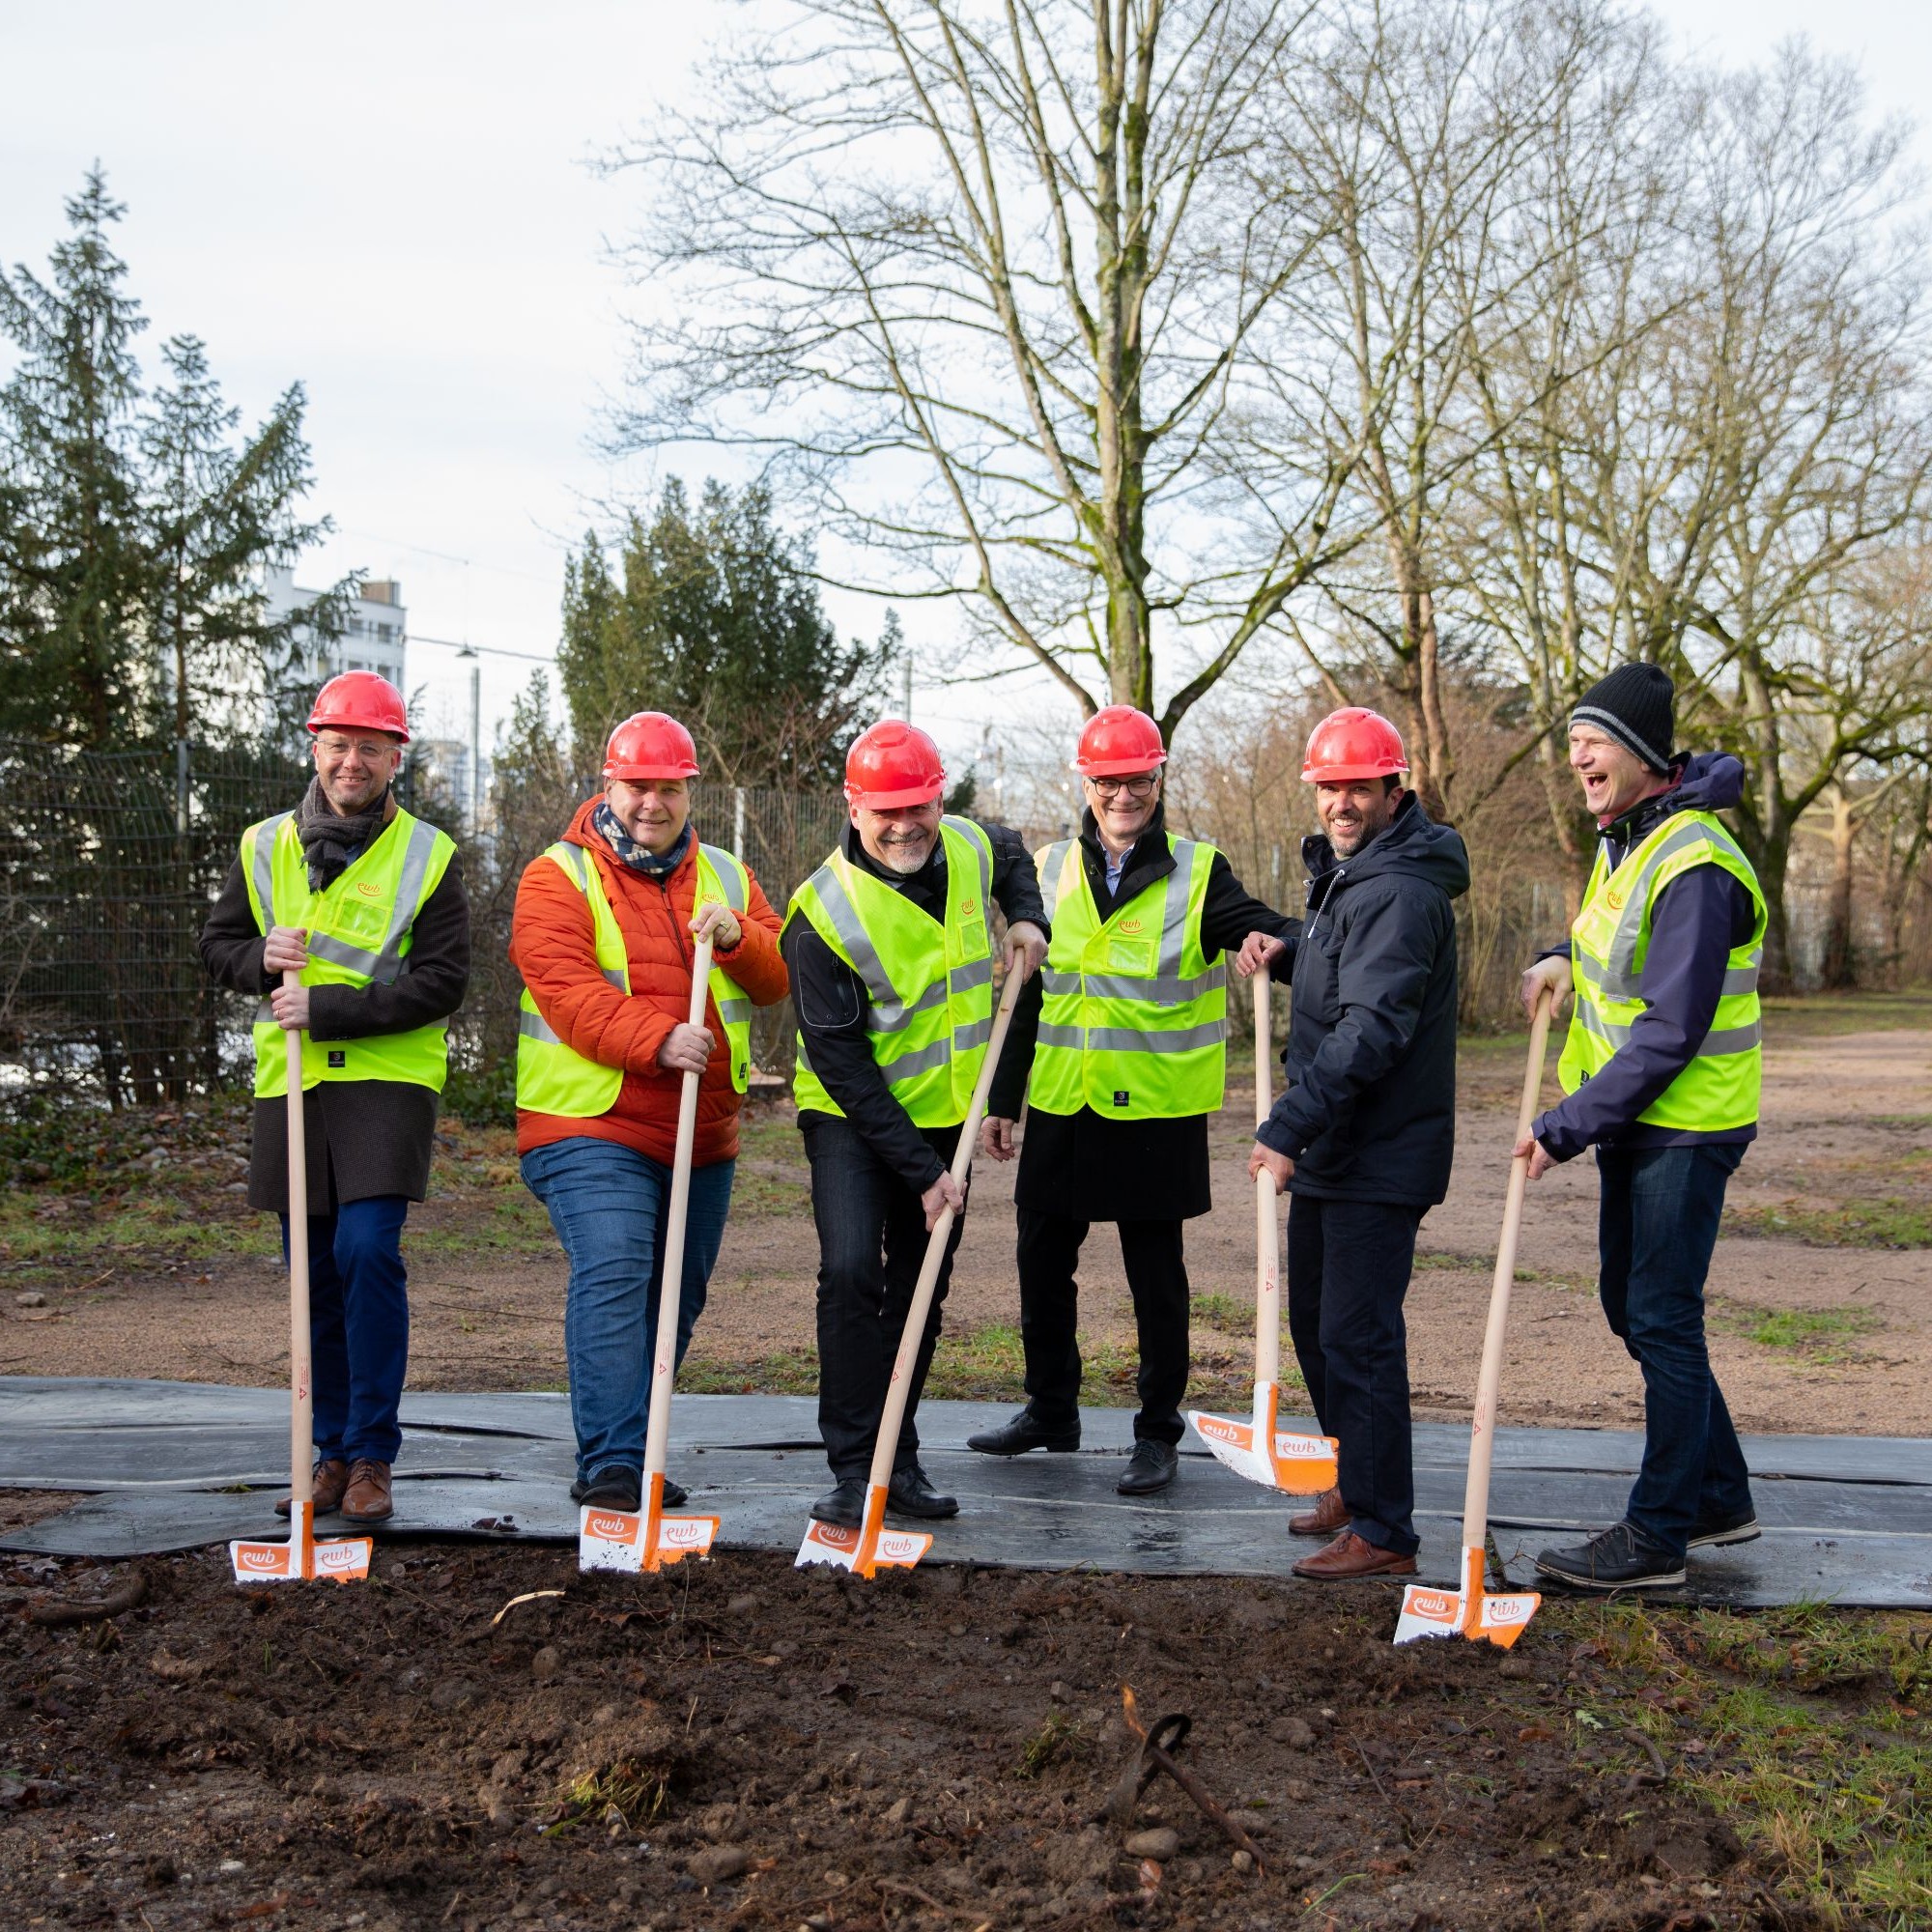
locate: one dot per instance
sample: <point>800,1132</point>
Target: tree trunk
<point>1840,972</point>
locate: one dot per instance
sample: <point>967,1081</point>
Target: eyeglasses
<point>1133,787</point>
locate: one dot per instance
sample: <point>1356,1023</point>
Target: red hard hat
<point>361,700</point>
<point>892,763</point>
<point>1353,743</point>
<point>648,745</point>
<point>1119,741</point>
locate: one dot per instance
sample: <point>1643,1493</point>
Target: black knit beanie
<point>1634,705</point>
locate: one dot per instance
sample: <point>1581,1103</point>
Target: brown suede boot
<point>368,1498</point>
<point>1350,1556</point>
<point>1328,1515</point>
<point>329,1480</point>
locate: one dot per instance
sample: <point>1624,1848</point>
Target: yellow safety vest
<point>930,986</point>
<point>553,1078</point>
<point>1608,945</point>
<point>1133,1020</point>
<point>360,932</point>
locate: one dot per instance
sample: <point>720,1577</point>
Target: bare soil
<point>744,1744</point>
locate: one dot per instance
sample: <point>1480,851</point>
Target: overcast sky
<point>389,204</point>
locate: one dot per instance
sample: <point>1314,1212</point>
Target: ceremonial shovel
<point>1301,1465</point>
<point>1485,1619</point>
<point>302,1558</point>
<point>873,1546</point>
<point>609,1539</point>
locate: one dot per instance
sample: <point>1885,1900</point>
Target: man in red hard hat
<point>1364,1130</point>
<point>605,936</point>
<point>890,948</point>
<point>366,902</point>
<point>1120,1058</point>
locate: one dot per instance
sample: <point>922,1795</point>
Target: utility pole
<point>908,690</point>
<point>476,736</point>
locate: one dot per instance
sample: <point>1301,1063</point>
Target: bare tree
<point>988,278</point>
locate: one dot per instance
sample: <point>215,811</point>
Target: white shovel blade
<point>609,1539</point>
<point>1302,1466</point>
<point>835,1544</point>
<point>343,1559</point>
<point>1429,1612</point>
<point>1233,1444</point>
<point>265,1562</point>
<point>1482,1619</point>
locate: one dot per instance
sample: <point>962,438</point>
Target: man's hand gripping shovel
<point>873,1546</point>
<point>342,1559</point>
<point>1302,1466</point>
<point>610,1539</point>
<point>1468,1611</point>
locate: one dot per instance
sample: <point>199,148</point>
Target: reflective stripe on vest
<point>929,985</point>
<point>553,1078</point>
<point>1134,1013</point>
<point>361,929</point>
<point>1609,943</point>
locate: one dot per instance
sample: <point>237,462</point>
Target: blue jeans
<point>1656,1229</point>
<point>607,1203</point>
<point>358,1325</point>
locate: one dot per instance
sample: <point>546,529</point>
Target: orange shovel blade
<point>867,1550</point>
<point>1465,1612</point>
<point>647,1539</point>
<point>340,1559</point>
<point>1255,1449</point>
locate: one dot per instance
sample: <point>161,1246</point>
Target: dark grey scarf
<point>640,859</point>
<point>330,841</point>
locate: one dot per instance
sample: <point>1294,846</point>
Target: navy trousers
<point>1657,1226</point>
<point>1349,1263</point>
<point>358,1325</point>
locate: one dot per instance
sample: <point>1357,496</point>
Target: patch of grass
<point>1225,1313</point>
<point>755,1193</point>
<point>987,1364</point>
<point>626,1793</point>
<point>145,1224</point>
<point>1819,1334</point>
<point>1833,1016</point>
<point>1057,1741</point>
<point>1889,1223</point>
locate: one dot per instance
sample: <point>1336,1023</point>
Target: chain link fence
<point>110,859</point>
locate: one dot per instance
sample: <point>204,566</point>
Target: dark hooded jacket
<point>1699,917</point>
<point>1368,1111</point>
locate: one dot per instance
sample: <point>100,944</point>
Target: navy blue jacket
<point>1369,1109</point>
<point>1699,917</point>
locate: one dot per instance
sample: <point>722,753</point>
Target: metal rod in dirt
<point>301,1386</point>
<point>886,1448</point>
<point>1482,1424</point>
<point>663,1360</point>
<point>1268,1225</point>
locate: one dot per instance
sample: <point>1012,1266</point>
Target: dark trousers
<point>1656,1227</point>
<point>358,1325</point>
<point>1349,1263</point>
<point>1049,1251</point>
<point>872,1241</point>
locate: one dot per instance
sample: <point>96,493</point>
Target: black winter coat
<point>364,1137</point>
<point>1368,1112</point>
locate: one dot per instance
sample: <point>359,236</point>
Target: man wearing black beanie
<point>1660,1072</point>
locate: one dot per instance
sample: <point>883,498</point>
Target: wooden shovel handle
<point>678,1213</point>
<point>1489,1380</point>
<point>301,1387</point>
<point>893,1417</point>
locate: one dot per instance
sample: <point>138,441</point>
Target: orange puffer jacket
<point>553,946</point>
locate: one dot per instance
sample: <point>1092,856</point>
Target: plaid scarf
<point>653,864</point>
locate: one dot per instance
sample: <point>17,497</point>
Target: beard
<point>906,856</point>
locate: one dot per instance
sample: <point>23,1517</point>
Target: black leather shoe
<point>1621,1558</point>
<point>1152,1467</point>
<point>1021,1434</point>
<point>676,1495</point>
<point>617,1488</point>
<point>843,1505</point>
<point>1710,1532</point>
<point>910,1494</point>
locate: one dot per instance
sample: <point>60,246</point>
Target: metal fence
<point>108,865</point>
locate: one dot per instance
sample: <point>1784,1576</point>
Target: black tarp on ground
<point>1847,1520</point>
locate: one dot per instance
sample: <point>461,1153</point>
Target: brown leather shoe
<point>330,1479</point>
<point>1329,1513</point>
<point>1349,1557</point>
<point>368,1498</point>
